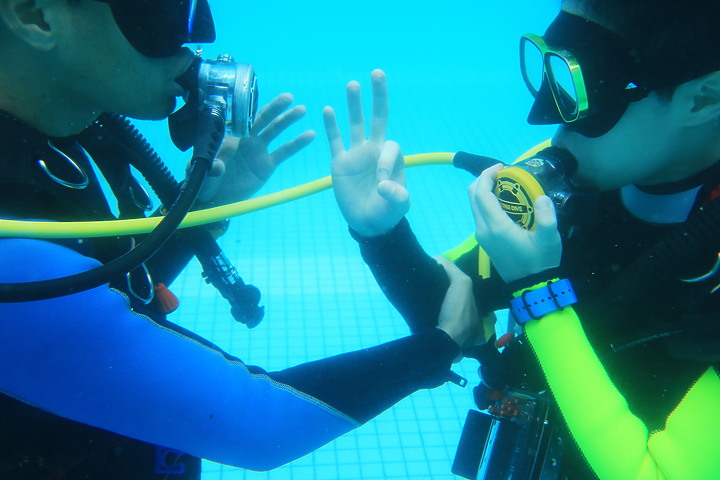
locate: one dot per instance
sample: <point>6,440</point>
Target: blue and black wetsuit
<point>655,349</point>
<point>97,385</point>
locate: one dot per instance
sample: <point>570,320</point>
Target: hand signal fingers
<point>269,112</point>
<point>355,114</point>
<point>288,149</point>
<point>380,108</point>
<point>333,133</point>
<point>396,195</point>
<point>391,158</point>
<point>281,123</point>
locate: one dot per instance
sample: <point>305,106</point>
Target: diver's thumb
<point>395,194</point>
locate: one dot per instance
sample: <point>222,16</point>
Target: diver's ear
<point>25,19</point>
<point>703,99</point>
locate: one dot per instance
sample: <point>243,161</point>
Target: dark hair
<point>671,34</point>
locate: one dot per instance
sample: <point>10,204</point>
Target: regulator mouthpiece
<point>548,173</point>
<point>223,83</point>
<point>544,173</point>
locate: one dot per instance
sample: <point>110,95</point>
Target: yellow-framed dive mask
<point>560,69</point>
<point>580,74</point>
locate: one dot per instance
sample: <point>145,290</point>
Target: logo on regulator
<point>516,202</point>
<point>517,189</point>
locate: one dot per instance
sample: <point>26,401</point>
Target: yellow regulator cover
<point>517,189</point>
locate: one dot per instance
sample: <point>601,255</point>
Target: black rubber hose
<point>42,290</point>
<point>146,160</point>
<point>210,136</point>
<point>217,270</point>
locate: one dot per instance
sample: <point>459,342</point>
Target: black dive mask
<point>583,64</point>
<point>158,28</point>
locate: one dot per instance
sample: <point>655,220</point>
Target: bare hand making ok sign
<point>369,177</point>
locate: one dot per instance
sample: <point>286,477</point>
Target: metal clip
<point>145,275</point>
<point>711,273</point>
<point>135,288</point>
<point>139,195</point>
<point>66,183</point>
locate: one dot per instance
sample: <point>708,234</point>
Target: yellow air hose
<point>34,229</point>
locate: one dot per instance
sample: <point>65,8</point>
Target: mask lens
<point>531,61</point>
<point>563,87</point>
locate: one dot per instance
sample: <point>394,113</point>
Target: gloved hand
<point>369,178</point>
<point>514,251</point>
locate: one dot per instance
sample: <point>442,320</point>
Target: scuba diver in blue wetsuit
<point>603,247</point>
<point>95,382</point>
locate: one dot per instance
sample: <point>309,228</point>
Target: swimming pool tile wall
<point>454,85</point>
<point>321,300</point>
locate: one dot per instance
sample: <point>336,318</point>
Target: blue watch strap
<point>533,304</point>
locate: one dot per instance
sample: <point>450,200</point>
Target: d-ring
<point>139,195</point>
<point>65,183</point>
<point>714,270</point>
<point>145,277</point>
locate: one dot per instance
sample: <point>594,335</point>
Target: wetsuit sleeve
<point>88,357</point>
<point>415,283</point>
<point>410,278</point>
<point>616,443</point>
<point>364,383</point>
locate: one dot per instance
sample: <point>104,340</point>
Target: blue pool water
<point>454,82</point>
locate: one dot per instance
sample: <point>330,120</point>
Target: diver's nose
<point>544,110</point>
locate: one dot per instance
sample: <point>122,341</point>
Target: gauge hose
<point>35,229</point>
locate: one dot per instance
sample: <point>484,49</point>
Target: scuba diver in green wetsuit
<point>613,284</point>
